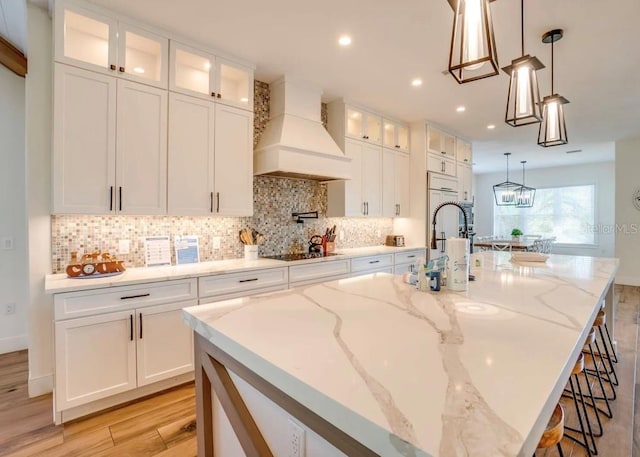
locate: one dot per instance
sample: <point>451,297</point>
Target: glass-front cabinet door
<point>235,84</point>
<point>142,55</point>
<point>373,133</point>
<point>403,137</point>
<point>389,134</point>
<point>354,123</point>
<point>192,71</point>
<point>85,39</point>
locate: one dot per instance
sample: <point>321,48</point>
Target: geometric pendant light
<point>472,55</point>
<point>523,100</point>
<point>526,195</point>
<point>553,128</point>
<point>506,193</point>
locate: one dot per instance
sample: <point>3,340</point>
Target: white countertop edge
<point>369,434</point>
<point>60,282</point>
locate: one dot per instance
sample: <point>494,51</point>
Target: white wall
<point>38,145</point>
<point>13,219</point>
<point>600,174</point>
<point>627,216</point>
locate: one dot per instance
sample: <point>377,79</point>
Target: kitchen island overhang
<point>402,372</point>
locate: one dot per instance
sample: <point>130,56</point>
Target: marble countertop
<point>57,283</point>
<point>441,374</point>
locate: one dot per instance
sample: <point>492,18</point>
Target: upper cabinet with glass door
<point>198,73</point>
<point>396,135</point>
<point>363,125</point>
<point>99,42</point>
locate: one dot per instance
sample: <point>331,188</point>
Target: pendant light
<point>472,55</point>
<point>523,100</point>
<point>506,192</point>
<point>526,195</point>
<point>553,129</point>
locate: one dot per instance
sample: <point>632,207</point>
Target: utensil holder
<point>250,252</point>
<point>331,246</point>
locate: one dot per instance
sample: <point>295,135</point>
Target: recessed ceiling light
<point>344,40</point>
<point>416,82</point>
<point>491,126</point>
<point>138,70</point>
<point>461,109</point>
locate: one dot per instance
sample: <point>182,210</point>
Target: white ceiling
<point>13,22</point>
<point>597,62</point>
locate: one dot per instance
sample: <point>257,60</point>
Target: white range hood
<point>295,144</point>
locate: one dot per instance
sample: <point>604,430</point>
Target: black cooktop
<point>299,256</point>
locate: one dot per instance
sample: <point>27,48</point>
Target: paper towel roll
<point>458,264</point>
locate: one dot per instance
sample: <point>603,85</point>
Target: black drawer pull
<point>411,256</point>
<point>248,280</point>
<point>129,297</point>
<point>140,325</point>
<point>374,261</point>
<point>130,327</point>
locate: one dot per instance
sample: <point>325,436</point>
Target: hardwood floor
<point>164,425</point>
<point>158,426</point>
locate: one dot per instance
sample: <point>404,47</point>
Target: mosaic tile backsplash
<point>274,201</point>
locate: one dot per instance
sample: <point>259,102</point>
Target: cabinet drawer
<point>409,256</point>
<point>377,262</point>
<point>317,270</point>
<point>388,269</point>
<point>400,269</point>
<point>234,283</point>
<point>90,302</point>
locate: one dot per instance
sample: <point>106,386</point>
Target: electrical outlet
<point>378,233</point>
<point>10,308</point>
<point>341,235</point>
<point>7,243</point>
<point>124,246</point>
<point>296,441</point>
<point>216,242</point>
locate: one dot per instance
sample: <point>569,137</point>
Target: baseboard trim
<point>13,344</point>
<point>40,385</point>
<point>628,280</point>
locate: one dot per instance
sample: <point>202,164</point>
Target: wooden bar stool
<point>552,435</point>
<point>583,415</point>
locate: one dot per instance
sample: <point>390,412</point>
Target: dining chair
<point>497,246</point>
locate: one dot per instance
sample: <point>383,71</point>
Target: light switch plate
<point>124,247</point>
<point>7,243</point>
<point>216,242</point>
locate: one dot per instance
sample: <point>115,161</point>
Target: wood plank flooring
<point>164,425</point>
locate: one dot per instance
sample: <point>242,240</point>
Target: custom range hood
<point>295,144</point>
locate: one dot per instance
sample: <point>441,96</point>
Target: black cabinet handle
<point>121,69</point>
<point>213,94</point>
<point>248,280</point>
<point>374,261</point>
<point>112,67</point>
<point>140,325</point>
<point>411,256</point>
<point>218,95</point>
<point>129,297</point>
<point>211,201</point>
<point>217,202</point>
<point>364,208</point>
<point>110,198</point>
<point>130,327</point>
<point>398,146</point>
<point>120,198</point>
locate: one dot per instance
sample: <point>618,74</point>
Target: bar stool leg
<point>608,412</point>
<point>614,357</point>
<point>585,442</point>
<point>608,355</point>
<point>605,372</point>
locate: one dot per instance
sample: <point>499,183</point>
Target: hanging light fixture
<point>506,192</point>
<point>472,55</point>
<point>553,129</point>
<point>523,100</point>
<point>525,195</point>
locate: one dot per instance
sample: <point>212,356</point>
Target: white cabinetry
<point>465,180</point>
<point>463,152</point>
<point>314,272</point>
<point>395,135</point>
<point>199,73</point>
<point>101,43</point>
<point>109,145</point>
<point>395,183</point>
<point>404,261</point>
<point>372,264</point>
<point>440,143</point>
<point>362,194</point>
<point>108,341</point>
<point>363,125</point>
<point>233,285</point>
<point>210,158</point>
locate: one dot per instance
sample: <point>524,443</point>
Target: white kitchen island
<point>375,367</point>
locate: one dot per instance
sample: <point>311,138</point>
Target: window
<point>566,213</point>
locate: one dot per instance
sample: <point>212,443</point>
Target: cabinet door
<point>192,71</point>
<point>141,161</point>
<point>191,155</point>
<point>233,162</point>
<point>389,134</point>
<point>142,56</point>
<point>373,128</point>
<point>84,147</point>
<point>449,166</point>
<point>449,145</point>
<point>235,84</point>
<point>403,138</point>
<point>434,140</point>
<point>403,190</point>
<point>389,198</point>
<point>372,179</point>
<point>95,358</point>
<point>354,123</point>
<point>85,39</point>
<point>465,178</point>
<point>164,343</point>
